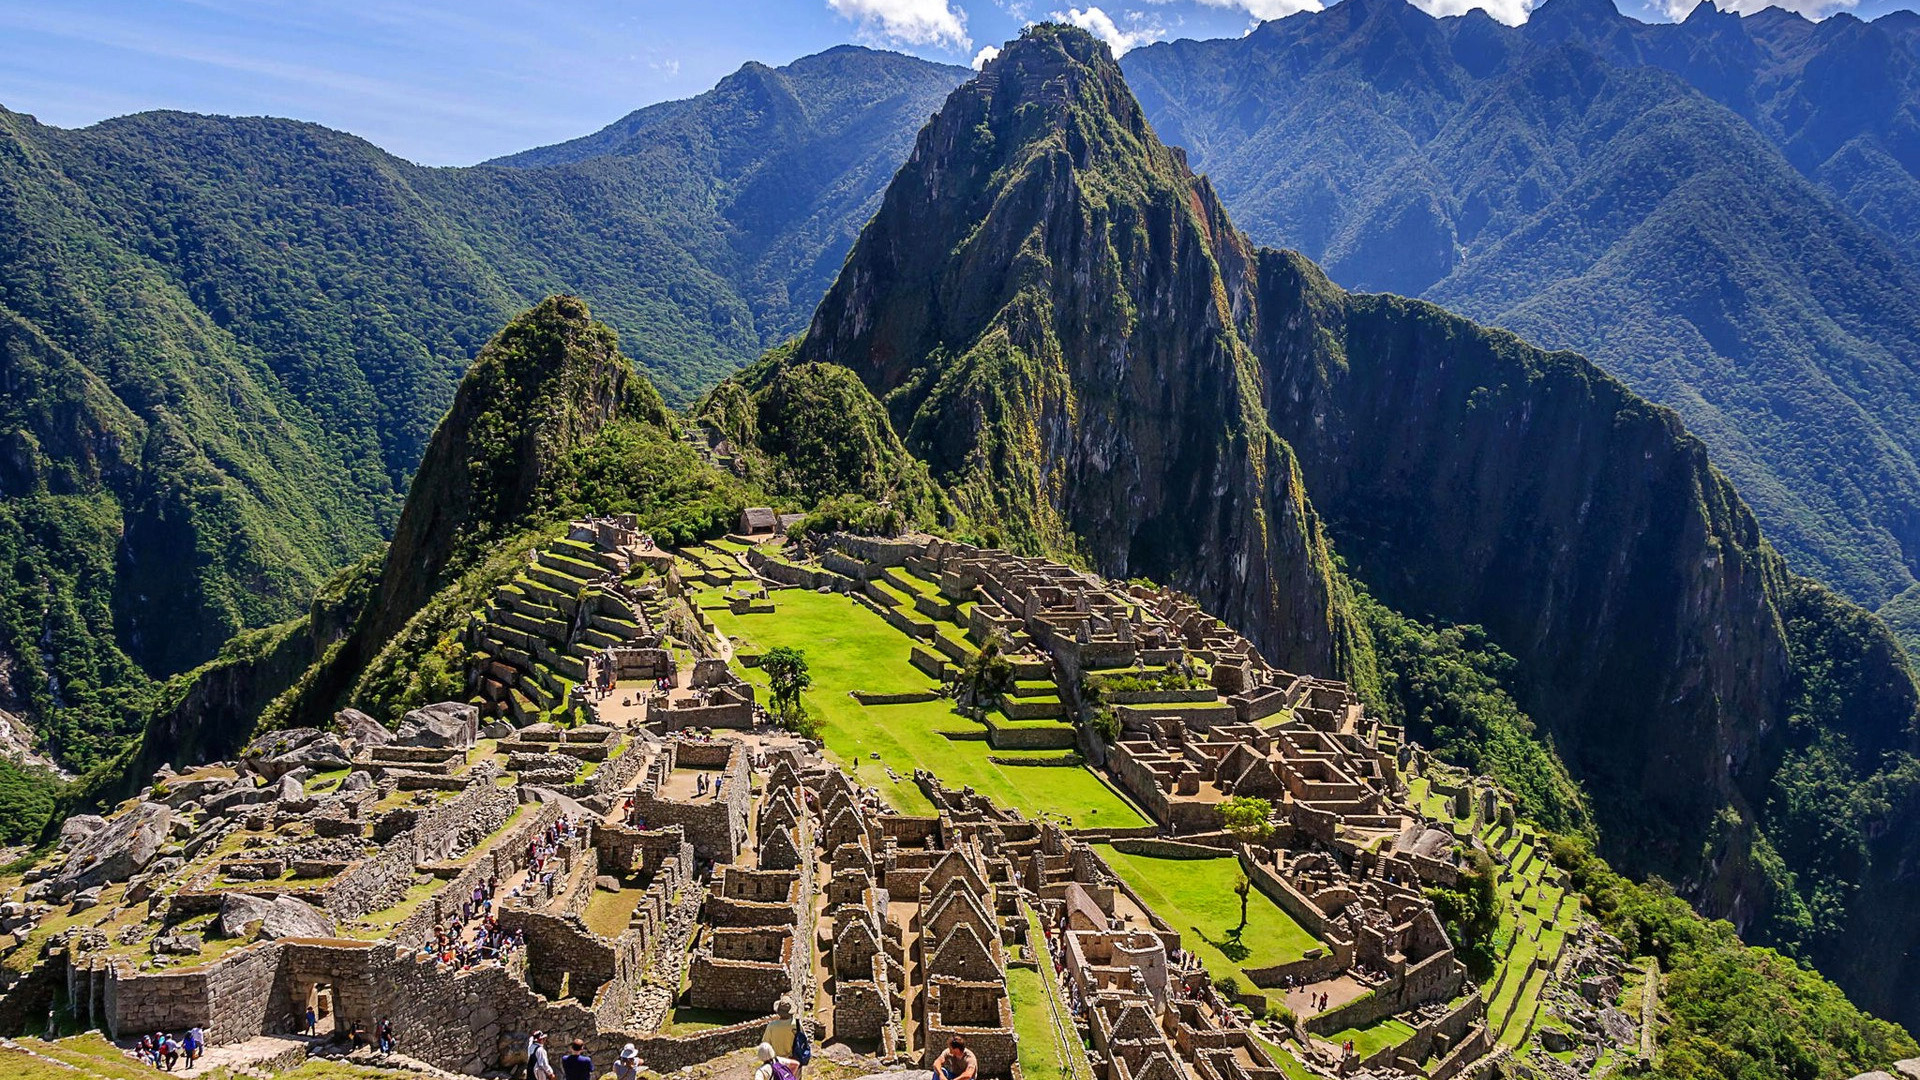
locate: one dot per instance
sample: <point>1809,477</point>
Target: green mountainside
<point>225,342</point>
<point>1060,320</point>
<point>1759,170</point>
<point>550,422</point>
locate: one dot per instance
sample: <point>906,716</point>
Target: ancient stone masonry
<point>703,787</point>
<point>544,636</point>
<point>475,878</point>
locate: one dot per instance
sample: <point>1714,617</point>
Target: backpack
<point>802,1045</point>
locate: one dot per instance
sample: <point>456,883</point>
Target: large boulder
<point>77,828</point>
<point>117,851</point>
<point>363,731</point>
<point>446,726</point>
<point>324,754</point>
<point>281,917</point>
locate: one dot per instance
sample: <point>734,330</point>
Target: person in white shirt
<point>538,1067</point>
<point>775,1067</point>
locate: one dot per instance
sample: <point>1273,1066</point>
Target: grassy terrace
<point>1196,897</point>
<point>850,648</point>
<point>1374,1037</point>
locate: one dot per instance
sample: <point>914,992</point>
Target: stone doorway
<point>320,999</point>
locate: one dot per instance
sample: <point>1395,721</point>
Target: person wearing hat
<point>627,1067</point>
<point>958,1063</point>
<point>538,1067</point>
<point>779,1032</point>
<point>775,1067</point>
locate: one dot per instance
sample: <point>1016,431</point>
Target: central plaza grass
<point>1375,1037</point>
<point>848,648</point>
<point>1196,897</point>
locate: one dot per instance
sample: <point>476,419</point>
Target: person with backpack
<point>775,1067</point>
<point>802,1048</point>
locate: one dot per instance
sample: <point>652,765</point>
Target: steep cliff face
<point>1472,477</point>
<point>1046,304</point>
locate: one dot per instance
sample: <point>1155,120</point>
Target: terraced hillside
<point>534,640</point>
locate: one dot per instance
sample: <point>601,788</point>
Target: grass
<point>1196,897</point>
<point>1290,1066</point>
<point>90,1052</point>
<point>687,1020</point>
<point>1033,1027</point>
<point>1374,1037</point>
<point>609,912</point>
<point>850,648</point>
<point>1028,989</point>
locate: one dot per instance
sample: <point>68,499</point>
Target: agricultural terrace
<point>849,648</point>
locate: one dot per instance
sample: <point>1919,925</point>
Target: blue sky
<point>457,81</point>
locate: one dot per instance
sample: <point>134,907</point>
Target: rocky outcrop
<point>280,917</point>
<point>448,725</point>
<point>1063,323</point>
<point>115,852</point>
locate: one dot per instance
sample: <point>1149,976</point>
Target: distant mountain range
<point>1723,212</point>
<point>224,341</point>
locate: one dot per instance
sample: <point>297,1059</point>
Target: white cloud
<point>909,22</point>
<point>1267,9</point>
<point>1511,12</point>
<point>1101,25</point>
<point>1812,9</point>
<point>986,53</point>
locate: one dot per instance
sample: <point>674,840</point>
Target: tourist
<point>190,1046</point>
<point>775,1067</point>
<point>958,1063</point>
<point>779,1031</point>
<point>171,1050</point>
<point>577,1065</point>
<point>144,1049</point>
<point>627,1067</point>
<point>313,1021</point>
<point>538,1067</point>
<point>383,1035</point>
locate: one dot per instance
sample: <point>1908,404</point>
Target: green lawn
<point>1196,897</point>
<point>1033,1027</point>
<point>1374,1037</point>
<point>850,648</point>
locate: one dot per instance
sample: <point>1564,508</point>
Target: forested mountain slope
<point>227,340</point>
<point>1719,212</point>
<point>1061,321</point>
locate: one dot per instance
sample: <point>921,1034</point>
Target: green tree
<point>787,675</point>
<point>988,675</point>
<point>1470,911</point>
<point>1247,818</point>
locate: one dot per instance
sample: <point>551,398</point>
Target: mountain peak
<point>1559,19</point>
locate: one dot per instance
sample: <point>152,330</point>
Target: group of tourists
<point>701,785</point>
<point>163,1051</point>
<point>576,1063</point>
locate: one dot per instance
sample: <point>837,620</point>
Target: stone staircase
<point>533,640</point>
